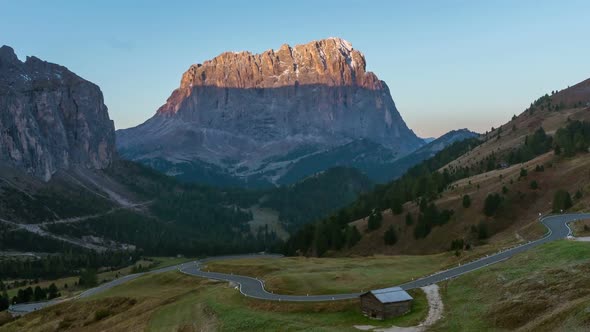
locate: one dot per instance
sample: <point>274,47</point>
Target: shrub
<point>88,278</point>
<point>534,185</point>
<point>482,231</point>
<point>457,244</point>
<point>101,314</point>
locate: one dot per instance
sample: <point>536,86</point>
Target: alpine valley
<point>299,152</point>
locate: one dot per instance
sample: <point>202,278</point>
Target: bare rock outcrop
<point>50,118</point>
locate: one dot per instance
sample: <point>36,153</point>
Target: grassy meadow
<point>544,289</point>
<point>176,302</point>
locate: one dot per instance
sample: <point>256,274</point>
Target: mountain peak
<point>261,117</point>
<point>52,118</point>
<point>344,44</point>
<point>7,54</point>
<point>331,62</point>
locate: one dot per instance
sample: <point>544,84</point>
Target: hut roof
<point>391,295</point>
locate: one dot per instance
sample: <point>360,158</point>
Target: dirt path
<point>435,310</point>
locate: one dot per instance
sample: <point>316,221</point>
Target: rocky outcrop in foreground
<point>50,118</point>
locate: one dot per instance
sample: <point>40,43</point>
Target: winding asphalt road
<point>557,226</point>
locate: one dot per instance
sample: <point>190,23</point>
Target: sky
<point>448,64</point>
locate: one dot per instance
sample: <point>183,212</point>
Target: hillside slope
<point>510,177</point>
<point>545,289</point>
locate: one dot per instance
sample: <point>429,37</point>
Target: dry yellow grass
<point>524,125</point>
<point>545,289</point>
<point>516,224</point>
<point>581,228</point>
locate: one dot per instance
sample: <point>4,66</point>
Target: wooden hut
<point>386,303</point>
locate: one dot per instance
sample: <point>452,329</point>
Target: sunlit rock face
<point>50,118</point>
<point>256,117</point>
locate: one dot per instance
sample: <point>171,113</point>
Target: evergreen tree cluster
<point>457,244</point>
<point>390,236</point>
<point>317,196</point>
<point>374,221</point>
<point>429,217</point>
<point>466,201</point>
<point>59,265</point>
<point>573,138</point>
<point>561,201</point>
<point>534,145</point>
<point>37,294</point>
<point>545,102</point>
<point>492,204</point>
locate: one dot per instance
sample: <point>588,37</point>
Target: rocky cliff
<point>50,118</point>
<point>254,116</point>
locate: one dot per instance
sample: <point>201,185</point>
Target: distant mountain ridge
<point>399,167</point>
<point>254,117</point>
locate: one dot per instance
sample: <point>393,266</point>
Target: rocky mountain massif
<point>51,118</point>
<point>63,188</point>
<point>274,117</point>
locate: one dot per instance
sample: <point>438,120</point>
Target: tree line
<point>65,264</point>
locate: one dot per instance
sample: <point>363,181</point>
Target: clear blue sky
<point>449,64</point>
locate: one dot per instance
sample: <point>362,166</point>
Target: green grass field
<point>300,275</point>
<point>176,302</point>
<point>545,289</point>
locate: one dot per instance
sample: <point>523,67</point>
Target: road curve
<point>25,308</point>
<point>253,287</point>
<point>557,226</point>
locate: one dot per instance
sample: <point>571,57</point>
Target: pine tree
<point>561,201</point>
<point>491,204</point>
<point>52,291</point>
<point>409,219</point>
<point>466,201</point>
<point>375,219</point>
<point>390,236</point>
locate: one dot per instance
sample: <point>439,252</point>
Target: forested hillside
<point>472,193</point>
<point>421,181</point>
<point>129,208</point>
